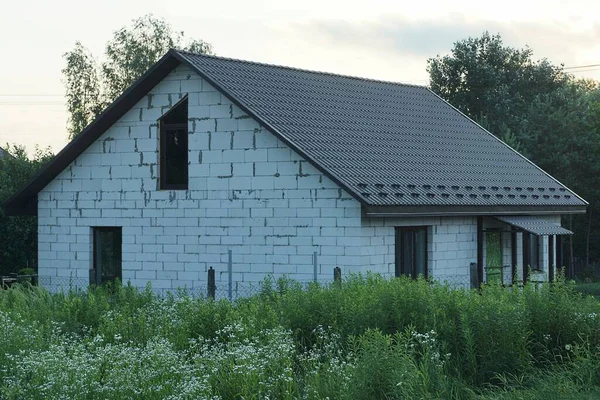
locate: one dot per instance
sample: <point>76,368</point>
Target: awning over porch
<point>534,225</point>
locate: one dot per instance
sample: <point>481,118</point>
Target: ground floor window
<point>531,251</point>
<point>411,251</point>
<point>106,255</point>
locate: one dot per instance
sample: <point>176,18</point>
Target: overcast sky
<point>389,40</point>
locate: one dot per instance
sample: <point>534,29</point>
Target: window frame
<point>97,269</point>
<point>164,129</point>
<point>400,267</point>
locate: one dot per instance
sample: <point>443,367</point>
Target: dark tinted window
<point>174,147</point>
<point>411,251</point>
<point>107,255</point>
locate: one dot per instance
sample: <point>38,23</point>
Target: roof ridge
<point>361,78</point>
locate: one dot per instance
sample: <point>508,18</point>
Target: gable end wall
<point>248,193</point>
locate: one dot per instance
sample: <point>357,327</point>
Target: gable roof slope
<point>388,144</point>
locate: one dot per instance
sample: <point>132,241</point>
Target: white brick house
<point>288,172</point>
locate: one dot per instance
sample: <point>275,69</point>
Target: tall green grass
<point>372,338</point>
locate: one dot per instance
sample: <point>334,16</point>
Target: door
<point>107,255</point>
<point>493,257</point>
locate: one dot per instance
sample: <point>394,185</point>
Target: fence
<point>8,280</point>
<point>229,289</point>
<point>209,287</point>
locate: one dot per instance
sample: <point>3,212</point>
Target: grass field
<point>371,339</point>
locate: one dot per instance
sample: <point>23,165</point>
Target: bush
<point>371,338</point>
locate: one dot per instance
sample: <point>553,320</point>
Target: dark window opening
<point>493,257</point>
<point>534,251</point>
<point>531,253</point>
<point>107,255</point>
<point>174,147</point>
<point>411,251</point>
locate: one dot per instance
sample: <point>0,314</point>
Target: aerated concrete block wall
<point>451,243</point>
<point>248,193</point>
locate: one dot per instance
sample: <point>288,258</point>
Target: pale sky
<point>389,40</point>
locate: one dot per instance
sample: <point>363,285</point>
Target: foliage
<point>18,235</point>
<point>563,127</point>
<point>82,87</point>
<point>589,288</point>
<point>372,338</point>
<point>92,86</point>
<point>490,81</point>
<point>536,108</point>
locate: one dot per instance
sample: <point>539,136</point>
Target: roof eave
<point>456,210</point>
<point>510,147</point>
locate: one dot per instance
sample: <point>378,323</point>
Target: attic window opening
<point>174,147</point>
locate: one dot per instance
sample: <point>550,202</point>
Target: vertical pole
<point>230,273</point>
<point>480,236</point>
<point>211,283</point>
<point>513,253</point>
<point>337,276</point>
<point>315,266</point>
<point>551,261</point>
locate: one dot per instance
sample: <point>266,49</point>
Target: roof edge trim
<point>457,211</point>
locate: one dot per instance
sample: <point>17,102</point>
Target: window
<point>533,251</point>
<point>106,255</point>
<point>411,251</point>
<point>174,147</point>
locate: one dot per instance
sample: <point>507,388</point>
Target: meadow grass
<point>372,338</point>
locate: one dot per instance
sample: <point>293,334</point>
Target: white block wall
<point>451,242</point>
<point>248,193</point>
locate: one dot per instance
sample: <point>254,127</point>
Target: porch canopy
<point>534,225</point>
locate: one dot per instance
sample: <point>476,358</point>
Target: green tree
<point>82,88</point>
<point>91,86</point>
<point>492,83</point>
<point>563,128</point>
<point>537,109</point>
<point>18,235</point>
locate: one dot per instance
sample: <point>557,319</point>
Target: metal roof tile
<point>389,143</point>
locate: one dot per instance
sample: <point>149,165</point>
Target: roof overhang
<point>534,225</point>
<point>25,201</point>
<point>458,210</point>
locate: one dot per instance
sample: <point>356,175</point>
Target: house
<point>256,169</point>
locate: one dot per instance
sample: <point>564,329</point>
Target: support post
<point>513,253</point>
<point>230,274</point>
<point>480,239</point>
<point>526,261</point>
<point>551,262</point>
<point>212,287</point>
